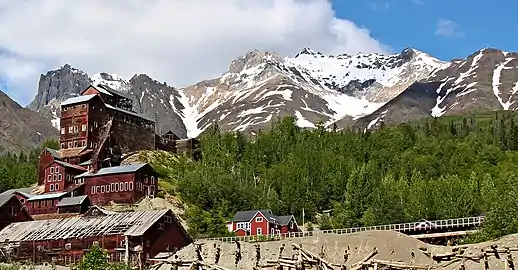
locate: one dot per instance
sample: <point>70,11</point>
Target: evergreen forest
<point>434,169</point>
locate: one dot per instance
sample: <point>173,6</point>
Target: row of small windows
<point>80,143</point>
<point>82,106</point>
<point>54,178</point>
<point>54,187</point>
<point>113,187</point>
<point>73,129</point>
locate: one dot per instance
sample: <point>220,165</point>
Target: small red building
<point>120,184</point>
<point>60,175</point>
<point>44,203</point>
<point>47,156</point>
<point>261,222</point>
<point>128,236</point>
<point>12,210</point>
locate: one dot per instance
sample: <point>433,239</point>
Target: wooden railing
<point>410,227</point>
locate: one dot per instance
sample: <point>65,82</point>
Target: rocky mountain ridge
<point>487,80</point>
<point>341,90</point>
<point>153,99</point>
<point>21,128</point>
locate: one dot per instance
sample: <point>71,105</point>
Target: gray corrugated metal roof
<point>5,198</point>
<point>114,170</point>
<point>47,196</point>
<point>24,191</point>
<point>68,201</point>
<point>78,99</point>
<point>79,226</point>
<point>128,112</point>
<point>53,152</point>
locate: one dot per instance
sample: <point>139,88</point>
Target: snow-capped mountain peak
<point>111,80</point>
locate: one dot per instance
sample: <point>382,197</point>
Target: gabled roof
<point>67,165</point>
<point>248,215</point>
<point>79,99</point>
<point>26,192</point>
<point>98,209</point>
<point>114,170</point>
<point>53,152</point>
<point>245,216</point>
<point>70,201</point>
<point>4,198</point>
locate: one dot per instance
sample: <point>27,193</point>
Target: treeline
<point>435,169</point>
<point>19,170</point>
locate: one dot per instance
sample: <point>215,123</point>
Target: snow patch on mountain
<point>111,80</point>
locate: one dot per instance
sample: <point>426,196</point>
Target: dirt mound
<point>391,247</point>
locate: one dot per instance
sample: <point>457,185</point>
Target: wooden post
<point>126,250</point>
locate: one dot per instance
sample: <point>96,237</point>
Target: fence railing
<point>419,226</point>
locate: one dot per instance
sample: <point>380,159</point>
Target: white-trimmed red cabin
<point>261,222</point>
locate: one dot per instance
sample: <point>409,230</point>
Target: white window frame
<point>51,170</point>
<point>63,131</point>
<point>259,219</point>
<point>56,170</point>
<point>83,128</point>
<point>51,187</point>
<point>70,129</point>
<point>168,219</point>
<point>259,231</point>
<point>56,187</point>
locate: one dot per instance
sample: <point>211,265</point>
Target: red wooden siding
<point>119,188</point>
<point>12,211</point>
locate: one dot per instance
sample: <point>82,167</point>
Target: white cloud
<point>178,41</point>
<point>450,29</point>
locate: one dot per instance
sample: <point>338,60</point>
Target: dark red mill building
<point>98,130</point>
<point>120,184</point>
<point>131,237</point>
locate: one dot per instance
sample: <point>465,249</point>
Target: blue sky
<point>466,26</point>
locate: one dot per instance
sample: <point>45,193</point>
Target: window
<point>152,180</point>
<point>63,145</point>
<point>292,225</point>
<point>75,144</point>
<point>68,177</point>
<point>103,189</point>
<point>70,129</point>
<point>168,219</point>
<point>259,231</point>
<point>259,219</point>
<point>56,187</point>
<point>54,177</point>
<point>76,129</point>
<point>92,190</point>
<point>12,210</point>
<point>145,179</point>
<point>56,170</point>
<point>59,177</point>
<point>63,130</point>
<point>49,178</point>
<point>51,187</point>
<point>69,144</point>
<point>83,127</point>
<point>95,124</point>
<point>130,186</point>
<point>161,226</point>
<point>51,170</point>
